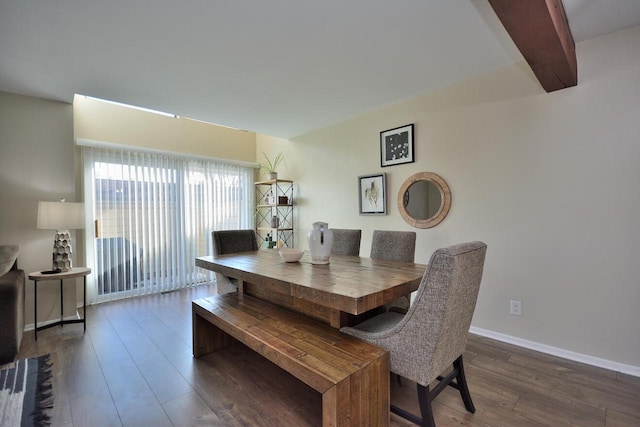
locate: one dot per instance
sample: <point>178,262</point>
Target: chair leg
<point>426,396</point>
<point>462,385</point>
<point>424,399</point>
<point>399,380</point>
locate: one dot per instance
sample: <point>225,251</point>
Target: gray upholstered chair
<point>395,246</point>
<point>229,242</point>
<point>346,242</point>
<point>431,337</point>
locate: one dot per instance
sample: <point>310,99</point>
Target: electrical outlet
<point>515,307</point>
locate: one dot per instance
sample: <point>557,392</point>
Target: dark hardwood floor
<point>134,367</point>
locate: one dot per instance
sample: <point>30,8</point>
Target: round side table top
<point>74,272</point>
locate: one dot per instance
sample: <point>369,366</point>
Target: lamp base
<point>62,251</point>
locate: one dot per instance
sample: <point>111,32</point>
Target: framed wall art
<point>396,146</point>
<point>372,197</point>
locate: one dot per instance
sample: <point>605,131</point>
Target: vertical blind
<point>154,213</point>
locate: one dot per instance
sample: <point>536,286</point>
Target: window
<point>154,214</point>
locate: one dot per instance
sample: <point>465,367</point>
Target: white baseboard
<point>555,351</point>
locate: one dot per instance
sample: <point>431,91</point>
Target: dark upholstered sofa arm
<point>11,313</point>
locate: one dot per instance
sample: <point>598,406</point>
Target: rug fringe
<point>44,392</point>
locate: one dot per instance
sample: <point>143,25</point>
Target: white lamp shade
<point>60,215</point>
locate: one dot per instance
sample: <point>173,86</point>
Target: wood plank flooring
<point>134,367</point>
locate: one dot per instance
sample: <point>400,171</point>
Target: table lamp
<point>61,216</point>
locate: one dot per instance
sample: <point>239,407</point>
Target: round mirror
<point>424,200</point>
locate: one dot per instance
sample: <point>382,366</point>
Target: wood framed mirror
<point>424,200</point>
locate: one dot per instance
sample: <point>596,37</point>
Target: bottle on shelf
<point>269,241</point>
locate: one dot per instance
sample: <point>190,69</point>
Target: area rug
<point>26,394</point>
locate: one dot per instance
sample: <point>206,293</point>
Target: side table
<point>71,274</point>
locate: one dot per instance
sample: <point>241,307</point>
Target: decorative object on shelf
<point>275,222</point>
<point>320,243</point>
<point>396,146</point>
<point>424,200</point>
<point>283,200</point>
<point>291,254</point>
<point>371,194</point>
<point>270,198</point>
<point>270,242</point>
<point>61,216</point>
<point>271,166</point>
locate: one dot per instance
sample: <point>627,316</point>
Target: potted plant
<point>271,166</point>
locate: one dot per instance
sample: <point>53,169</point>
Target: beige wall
<point>107,122</point>
<point>549,181</point>
<point>36,163</point>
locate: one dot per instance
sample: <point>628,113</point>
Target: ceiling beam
<point>540,30</point>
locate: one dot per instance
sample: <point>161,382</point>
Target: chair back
<point>394,245</point>
<point>233,241</point>
<point>346,242</point>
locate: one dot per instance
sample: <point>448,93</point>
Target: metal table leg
<point>61,303</point>
<point>35,308</point>
<point>84,303</point>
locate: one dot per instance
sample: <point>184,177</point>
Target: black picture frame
<point>372,198</point>
<point>396,146</point>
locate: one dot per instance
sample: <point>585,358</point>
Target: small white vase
<point>320,243</point>
<point>275,222</point>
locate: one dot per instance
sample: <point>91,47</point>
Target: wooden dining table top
<point>349,284</point>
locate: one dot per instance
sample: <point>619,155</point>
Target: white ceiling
<point>278,67</point>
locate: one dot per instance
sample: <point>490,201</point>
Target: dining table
<point>340,293</point>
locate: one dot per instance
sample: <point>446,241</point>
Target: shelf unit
<point>274,199</point>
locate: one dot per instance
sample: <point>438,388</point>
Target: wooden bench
<point>351,374</point>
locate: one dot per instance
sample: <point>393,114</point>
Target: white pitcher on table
<point>320,243</point>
